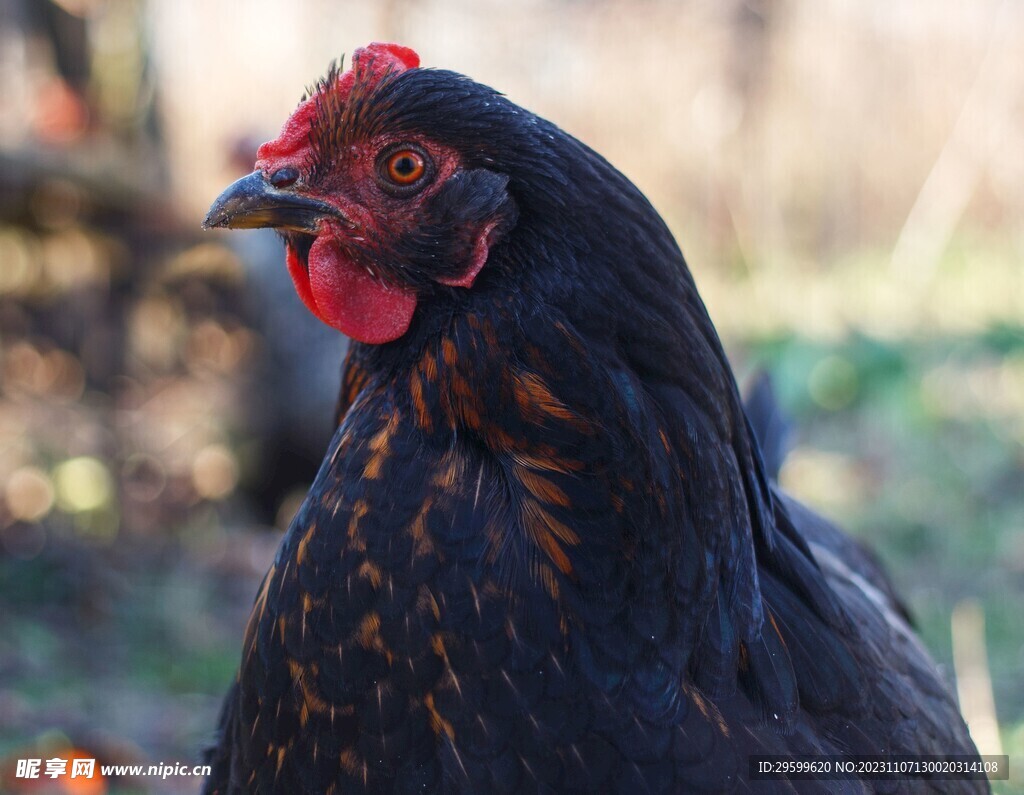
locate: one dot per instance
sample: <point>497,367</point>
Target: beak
<point>253,203</point>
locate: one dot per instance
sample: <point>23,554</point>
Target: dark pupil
<point>404,166</point>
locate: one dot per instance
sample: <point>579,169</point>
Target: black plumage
<point>543,553</point>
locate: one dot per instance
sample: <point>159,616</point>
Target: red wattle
<point>343,295</point>
<point>301,279</point>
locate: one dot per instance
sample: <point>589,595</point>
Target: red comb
<point>388,55</point>
<point>378,58</point>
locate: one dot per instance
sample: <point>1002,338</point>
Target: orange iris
<point>405,167</point>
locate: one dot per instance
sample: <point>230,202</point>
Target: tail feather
<point>772,428</point>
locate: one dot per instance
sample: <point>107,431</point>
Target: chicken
<point>542,553</point>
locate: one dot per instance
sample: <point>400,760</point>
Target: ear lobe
<point>472,212</point>
<point>481,248</point>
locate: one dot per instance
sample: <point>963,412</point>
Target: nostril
<point>284,177</point>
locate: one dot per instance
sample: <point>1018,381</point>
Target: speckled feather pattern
<point>541,554</point>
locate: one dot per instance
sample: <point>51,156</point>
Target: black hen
<point>542,553</point>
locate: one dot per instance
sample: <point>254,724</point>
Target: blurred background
<point>846,180</point>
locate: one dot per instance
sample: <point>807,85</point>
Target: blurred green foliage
<point>915,446</point>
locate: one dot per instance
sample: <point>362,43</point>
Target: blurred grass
<point>125,653</point>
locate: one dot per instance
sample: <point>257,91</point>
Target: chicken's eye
<point>405,167</point>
